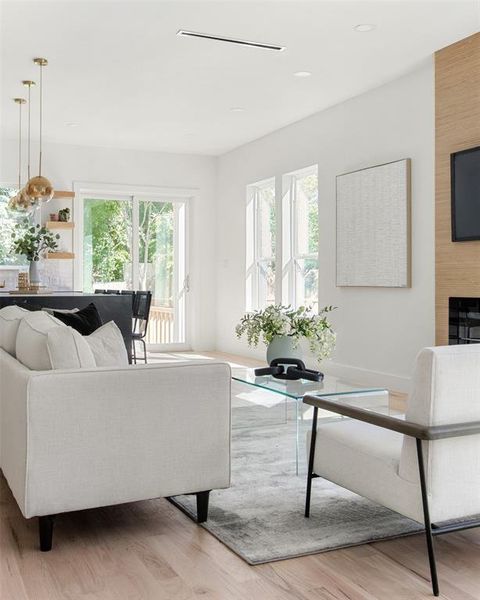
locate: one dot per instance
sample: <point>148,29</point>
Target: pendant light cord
<point>19,146</point>
<point>19,101</point>
<point>28,149</point>
<point>41,120</point>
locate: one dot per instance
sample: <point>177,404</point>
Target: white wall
<point>379,330</point>
<point>65,164</point>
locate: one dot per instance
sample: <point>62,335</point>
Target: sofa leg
<point>45,530</point>
<point>202,506</point>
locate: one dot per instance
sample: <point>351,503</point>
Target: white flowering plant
<point>278,320</point>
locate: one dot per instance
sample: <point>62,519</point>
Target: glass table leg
<point>297,433</point>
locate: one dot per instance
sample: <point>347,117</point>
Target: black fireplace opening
<point>464,321</point>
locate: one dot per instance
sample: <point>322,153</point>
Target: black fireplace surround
<point>464,321</point>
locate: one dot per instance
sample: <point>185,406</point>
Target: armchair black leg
<point>426,518</point>
<point>311,459</point>
<point>202,506</point>
<point>45,530</point>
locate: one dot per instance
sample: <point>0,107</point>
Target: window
<point>261,244</point>
<point>10,264</point>
<point>8,220</point>
<point>300,238</point>
<point>296,283</point>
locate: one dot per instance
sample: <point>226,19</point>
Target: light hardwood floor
<point>151,551</point>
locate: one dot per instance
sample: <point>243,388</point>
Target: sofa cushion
<point>31,346</point>
<point>85,321</point>
<point>67,349</point>
<point>10,317</point>
<point>108,346</point>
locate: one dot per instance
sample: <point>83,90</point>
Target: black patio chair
<point>141,312</point>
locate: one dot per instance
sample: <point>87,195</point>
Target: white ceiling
<point>119,71</point>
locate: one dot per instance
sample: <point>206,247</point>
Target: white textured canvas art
<point>373,226</point>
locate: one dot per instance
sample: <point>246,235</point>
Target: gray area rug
<point>261,517</point>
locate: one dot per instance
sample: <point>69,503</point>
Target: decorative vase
<point>33,273</point>
<point>282,346</point>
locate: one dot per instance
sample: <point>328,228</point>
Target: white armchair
<point>426,467</point>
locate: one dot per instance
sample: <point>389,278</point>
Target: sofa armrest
<point>108,436</point>
<point>14,382</point>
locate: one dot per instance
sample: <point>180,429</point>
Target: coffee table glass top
<point>330,386</point>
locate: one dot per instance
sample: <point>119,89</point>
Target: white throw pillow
<point>31,346</point>
<point>67,349</point>
<point>10,317</point>
<point>108,346</point>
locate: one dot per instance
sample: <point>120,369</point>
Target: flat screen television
<point>465,181</point>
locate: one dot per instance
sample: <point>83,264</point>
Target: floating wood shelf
<point>59,225</point>
<point>60,255</point>
<point>63,194</point>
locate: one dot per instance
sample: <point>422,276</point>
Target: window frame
<point>291,256</point>
<point>255,259</point>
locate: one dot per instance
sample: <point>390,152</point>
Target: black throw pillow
<point>85,321</point>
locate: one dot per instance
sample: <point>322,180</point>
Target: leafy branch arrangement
<point>281,320</point>
<point>33,241</point>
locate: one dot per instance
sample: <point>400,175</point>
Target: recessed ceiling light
<point>302,74</point>
<point>222,38</point>
<point>364,27</point>
<point>71,124</point>
<point>237,109</point>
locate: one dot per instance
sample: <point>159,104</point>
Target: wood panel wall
<point>457,127</point>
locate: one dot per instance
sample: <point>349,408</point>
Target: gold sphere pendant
<point>39,189</point>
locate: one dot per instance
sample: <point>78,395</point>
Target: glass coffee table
<point>330,387</point>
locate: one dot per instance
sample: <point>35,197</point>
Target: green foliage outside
<point>309,186</point>
<point>108,241</point>
<point>8,220</point>
<point>107,235</point>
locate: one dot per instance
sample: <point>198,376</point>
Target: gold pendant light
<point>39,189</point>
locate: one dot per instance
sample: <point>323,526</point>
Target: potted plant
<point>282,328</point>
<point>33,241</point>
<point>64,215</point>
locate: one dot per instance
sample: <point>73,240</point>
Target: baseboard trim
<point>394,383</point>
<point>367,377</point>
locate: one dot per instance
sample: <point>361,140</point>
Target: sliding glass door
<point>107,244</point>
<point>162,268</point>
<point>139,243</point>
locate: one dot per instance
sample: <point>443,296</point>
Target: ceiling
<point>119,73</point>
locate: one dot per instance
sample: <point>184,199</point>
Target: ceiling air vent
<point>218,38</point>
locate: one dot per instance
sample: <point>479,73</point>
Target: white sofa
<point>85,438</point>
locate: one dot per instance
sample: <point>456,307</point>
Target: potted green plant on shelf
<point>64,215</point>
<point>33,241</point>
<point>282,328</point>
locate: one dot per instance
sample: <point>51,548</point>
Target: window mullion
<point>135,243</point>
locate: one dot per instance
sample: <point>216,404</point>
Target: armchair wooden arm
<point>420,432</point>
